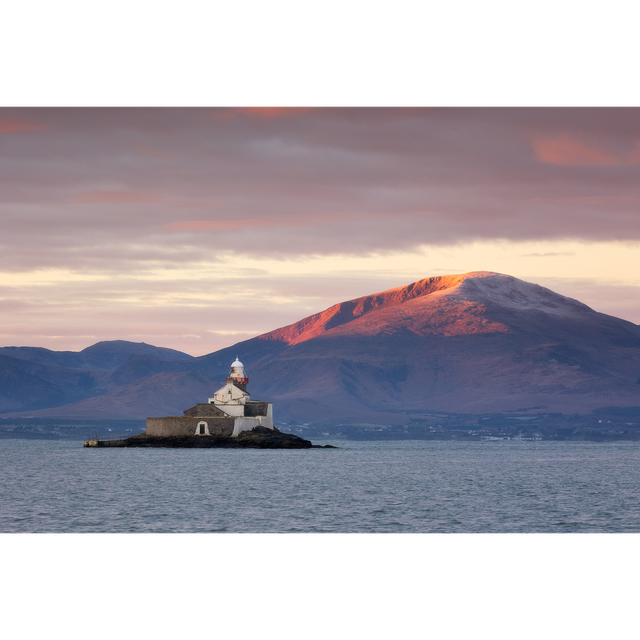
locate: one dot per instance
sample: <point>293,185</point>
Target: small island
<point>230,419</point>
<point>257,438</point>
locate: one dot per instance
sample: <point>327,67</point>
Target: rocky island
<point>257,438</point>
<point>229,420</point>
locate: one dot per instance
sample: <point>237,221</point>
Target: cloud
<point>220,225</point>
<point>115,189</point>
<point>565,151</point>
<point>115,196</point>
<point>272,112</point>
<point>20,126</point>
<point>547,254</point>
<point>634,156</point>
<point>147,150</point>
<point>281,223</point>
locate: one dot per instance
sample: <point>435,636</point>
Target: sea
<point>359,487</point>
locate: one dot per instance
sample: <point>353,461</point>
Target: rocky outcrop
<point>257,438</point>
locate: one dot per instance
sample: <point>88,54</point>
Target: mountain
<point>34,378</point>
<point>113,353</point>
<point>26,384</point>
<point>471,343</point>
<point>109,354</point>
<point>476,342</point>
<point>161,394</point>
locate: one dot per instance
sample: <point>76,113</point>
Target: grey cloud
<point>330,180</point>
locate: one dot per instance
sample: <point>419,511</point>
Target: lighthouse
<point>230,412</point>
<point>234,400</point>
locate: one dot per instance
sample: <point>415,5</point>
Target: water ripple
<point>363,487</point>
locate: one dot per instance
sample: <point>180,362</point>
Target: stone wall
<point>254,408</point>
<point>186,426</point>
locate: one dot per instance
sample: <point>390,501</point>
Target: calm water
<point>363,487</point>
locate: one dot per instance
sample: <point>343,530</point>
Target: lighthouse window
<point>201,429</point>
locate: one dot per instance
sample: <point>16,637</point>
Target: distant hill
<point>470,343</point>
<point>109,354</point>
<point>160,394</point>
<point>113,353</point>
<point>34,378</point>
<point>33,385</point>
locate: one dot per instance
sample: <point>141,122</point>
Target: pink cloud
<point>325,181</point>
<point>19,126</point>
<point>220,225</point>
<point>260,113</point>
<point>597,201</point>
<point>288,222</point>
<point>273,112</point>
<point>634,156</point>
<point>152,152</point>
<point>563,150</point>
<point>88,197</point>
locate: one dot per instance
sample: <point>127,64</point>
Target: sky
<point>195,228</point>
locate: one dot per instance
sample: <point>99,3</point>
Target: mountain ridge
<point>436,290</point>
<point>465,343</point>
<point>106,354</point>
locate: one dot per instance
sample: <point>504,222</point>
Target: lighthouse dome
<point>237,372</point>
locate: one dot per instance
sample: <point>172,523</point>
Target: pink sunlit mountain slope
<point>470,343</point>
<point>432,306</point>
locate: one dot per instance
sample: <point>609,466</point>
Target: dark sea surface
<point>363,487</point>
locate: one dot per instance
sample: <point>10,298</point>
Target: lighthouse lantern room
<point>237,374</point>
